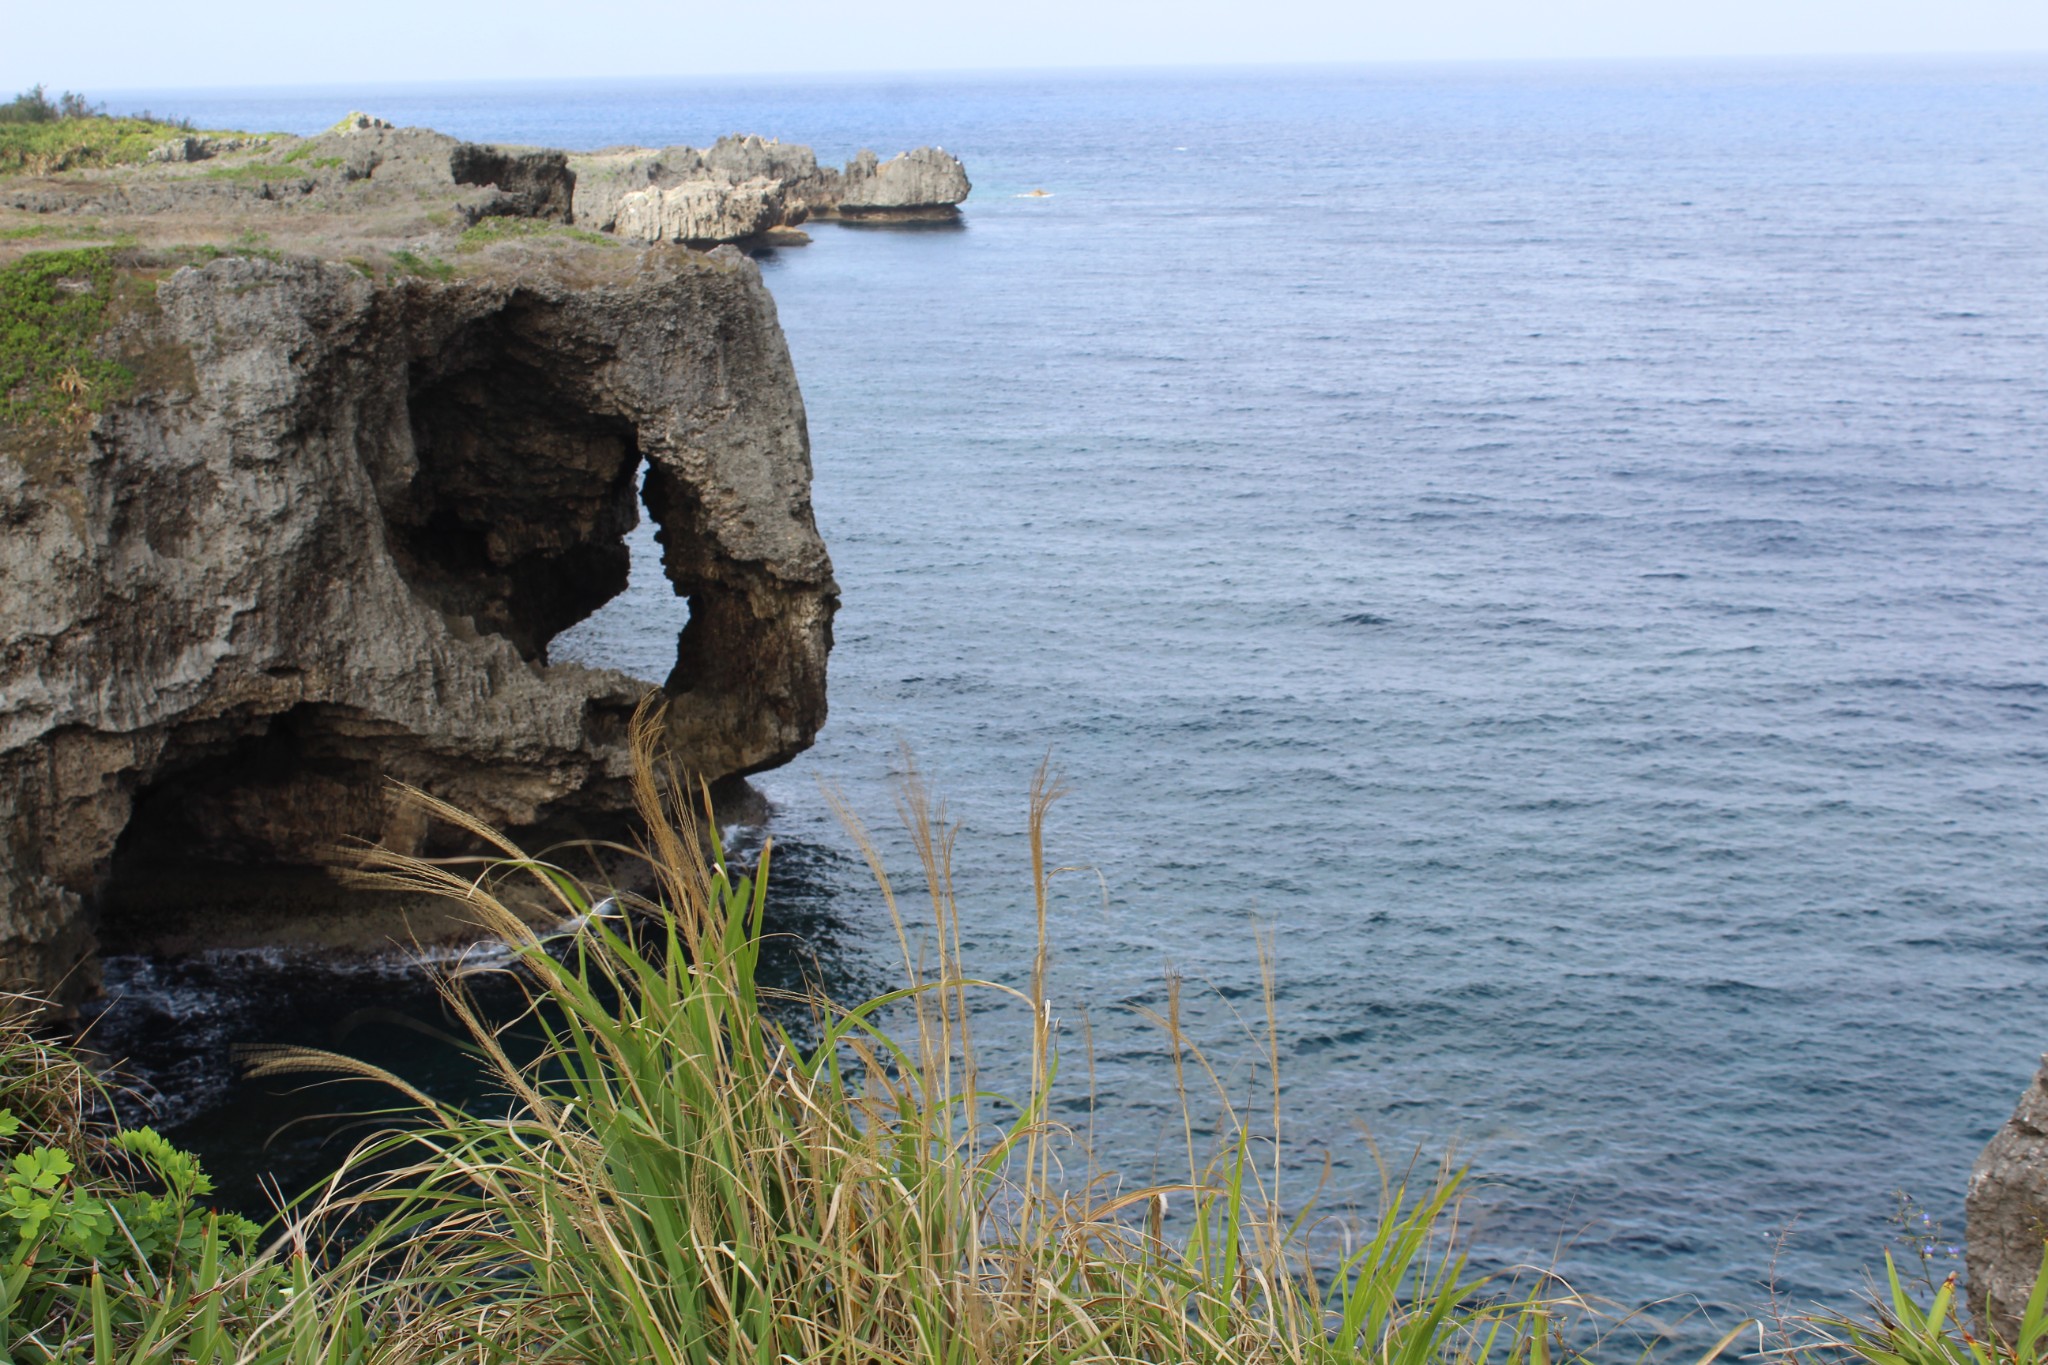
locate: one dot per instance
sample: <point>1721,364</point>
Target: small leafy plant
<point>1907,1334</point>
<point>108,1252</point>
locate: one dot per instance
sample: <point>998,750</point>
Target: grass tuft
<point>65,230</point>
<point>676,1178</point>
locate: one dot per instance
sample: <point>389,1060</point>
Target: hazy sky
<point>121,44</point>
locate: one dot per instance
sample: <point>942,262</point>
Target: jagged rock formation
<point>2006,1214</point>
<point>327,538</point>
<point>737,189</point>
<point>200,147</point>
<point>700,212</point>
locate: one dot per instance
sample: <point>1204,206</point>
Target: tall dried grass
<point>674,1177</point>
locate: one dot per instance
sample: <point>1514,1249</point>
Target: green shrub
<point>44,148</point>
<point>32,106</point>
<point>107,1251</point>
<point>100,1252</point>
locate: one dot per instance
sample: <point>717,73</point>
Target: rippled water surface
<point>1560,549</point>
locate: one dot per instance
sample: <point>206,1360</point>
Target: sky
<point>242,43</point>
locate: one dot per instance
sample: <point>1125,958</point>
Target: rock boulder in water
<point>927,180</point>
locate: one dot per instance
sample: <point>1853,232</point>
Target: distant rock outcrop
<point>2006,1214</point>
<point>922,181</point>
<point>741,187</point>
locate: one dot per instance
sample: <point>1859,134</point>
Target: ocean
<point>1557,549</point>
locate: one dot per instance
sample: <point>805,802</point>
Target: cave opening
<point>233,831</point>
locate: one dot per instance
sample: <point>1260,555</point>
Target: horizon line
<point>1083,69</point>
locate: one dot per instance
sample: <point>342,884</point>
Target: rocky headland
<point>310,448</point>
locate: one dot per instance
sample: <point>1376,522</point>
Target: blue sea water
<point>1560,549</point>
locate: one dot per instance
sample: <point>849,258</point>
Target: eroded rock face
<point>700,212</point>
<point>329,541</point>
<point>2007,1213</point>
<point>604,178</point>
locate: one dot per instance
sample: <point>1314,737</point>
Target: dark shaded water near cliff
<point>1561,548</point>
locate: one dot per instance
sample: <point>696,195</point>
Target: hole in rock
<point>526,485</point>
<point>522,519</point>
<point>636,631</point>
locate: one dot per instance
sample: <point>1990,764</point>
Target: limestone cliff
<point>323,536</point>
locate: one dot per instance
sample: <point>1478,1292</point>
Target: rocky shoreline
<point>350,428</point>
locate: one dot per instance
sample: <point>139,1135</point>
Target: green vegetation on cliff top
<point>44,148</point>
<point>53,308</point>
